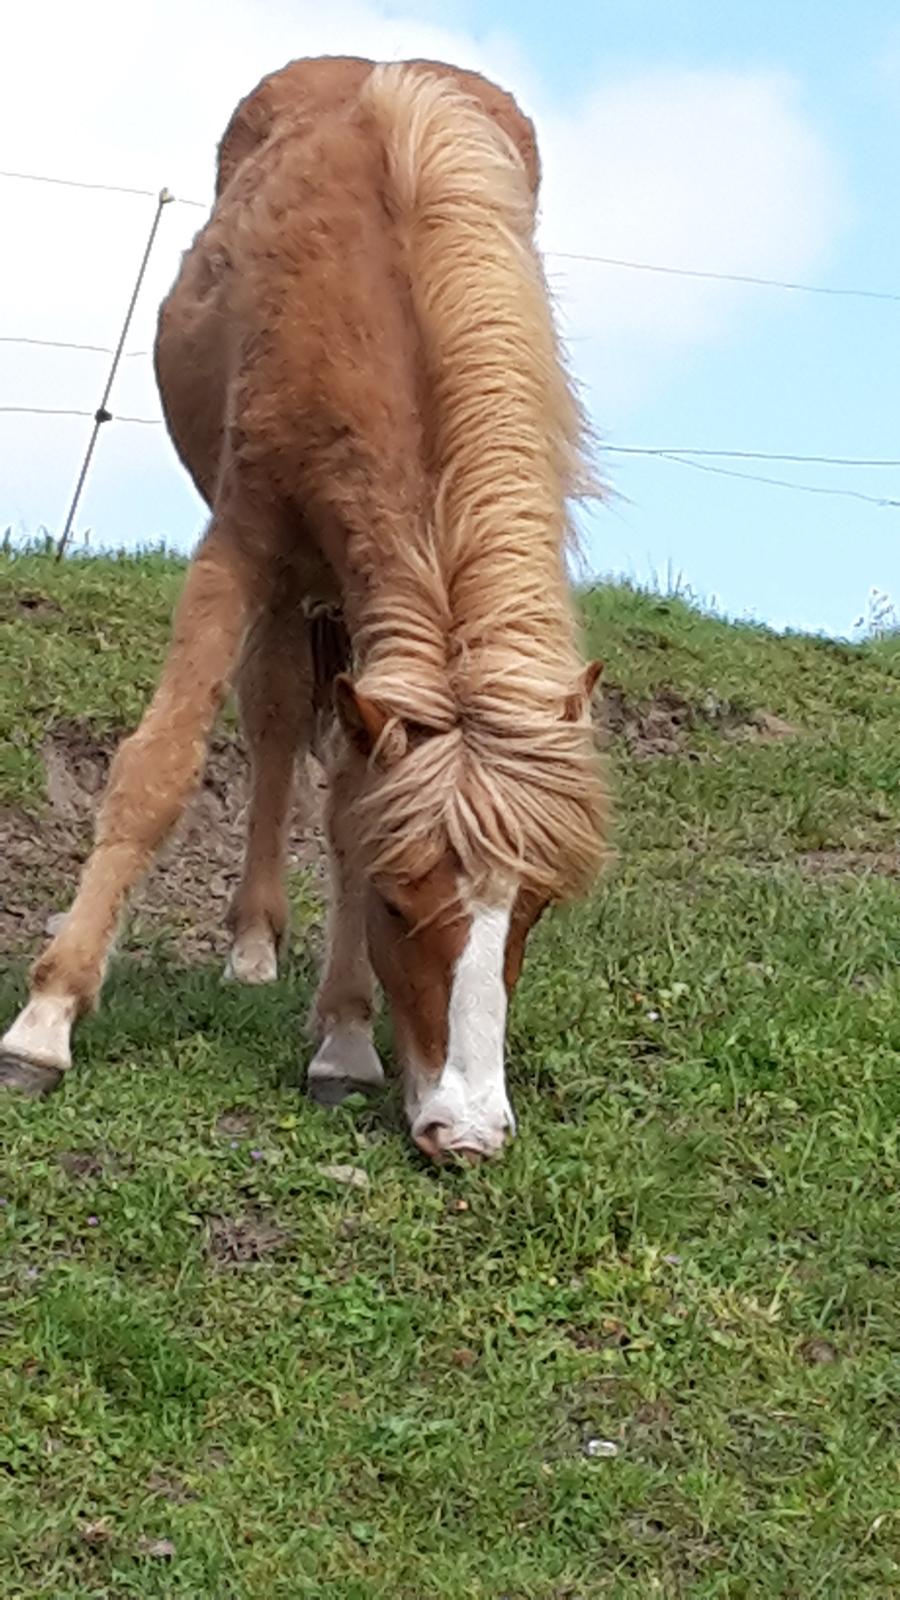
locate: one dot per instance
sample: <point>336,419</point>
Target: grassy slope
<point>691,1251</point>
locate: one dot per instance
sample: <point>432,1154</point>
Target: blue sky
<point>763,138</point>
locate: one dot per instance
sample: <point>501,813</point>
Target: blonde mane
<point>469,637</point>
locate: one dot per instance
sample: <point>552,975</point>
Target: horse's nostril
<point>471,1132</point>
<point>438,1141</point>
<point>431,1140</point>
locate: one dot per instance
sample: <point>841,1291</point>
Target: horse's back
<point>305,89</point>
<point>288,343</point>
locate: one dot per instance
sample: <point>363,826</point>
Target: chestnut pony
<point>359,369</point>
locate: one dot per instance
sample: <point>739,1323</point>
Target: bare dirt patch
<point>170,1487</point>
<point>82,1163</point>
<point>661,724</point>
<point>840,863</point>
<point>189,889</point>
<point>241,1241</point>
<point>237,1123</point>
<point>36,607</point>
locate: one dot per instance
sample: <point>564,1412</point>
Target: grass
<point>652,1353</point>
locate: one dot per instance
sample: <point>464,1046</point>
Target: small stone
<point>156,1549</point>
<point>818,1352</point>
<point>772,727</point>
<point>97,1532</point>
<point>236,1124</point>
<point>463,1358</point>
<point>352,1177</point>
<point>596,1449</point>
<point>55,924</point>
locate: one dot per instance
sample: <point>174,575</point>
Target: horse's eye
<point>394,912</point>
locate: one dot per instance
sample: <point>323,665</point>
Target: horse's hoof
<point>345,1063</point>
<point>334,1091</point>
<point>253,959</point>
<point>28,1077</point>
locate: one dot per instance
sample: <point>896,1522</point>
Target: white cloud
<point>713,169</point>
<point>709,169</point>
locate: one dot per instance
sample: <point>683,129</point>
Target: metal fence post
<point>101,414</point>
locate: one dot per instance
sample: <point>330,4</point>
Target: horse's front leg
<point>152,777</point>
<point>346,1059</point>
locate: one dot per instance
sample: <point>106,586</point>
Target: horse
<point>360,370</point>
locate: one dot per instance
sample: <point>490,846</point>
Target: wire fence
<point>554,255</point>
<point>103,188</point>
<point>700,458</point>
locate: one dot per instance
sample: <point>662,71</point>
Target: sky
<point>710,135</point>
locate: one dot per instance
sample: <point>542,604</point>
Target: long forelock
<point>513,796</point>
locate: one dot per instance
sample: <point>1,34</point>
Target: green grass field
<point>655,1352</point>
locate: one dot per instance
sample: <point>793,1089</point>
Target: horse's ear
<point>364,720</point>
<point>578,702</point>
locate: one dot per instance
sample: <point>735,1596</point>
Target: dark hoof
<point>334,1091</point>
<point>27,1077</point>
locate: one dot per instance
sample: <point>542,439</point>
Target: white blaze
<point>477,1015</point>
<point>469,1098</point>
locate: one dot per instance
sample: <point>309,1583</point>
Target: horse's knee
<point>150,781</point>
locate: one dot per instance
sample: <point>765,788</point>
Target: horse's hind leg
<point>152,777</point>
<point>275,696</point>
